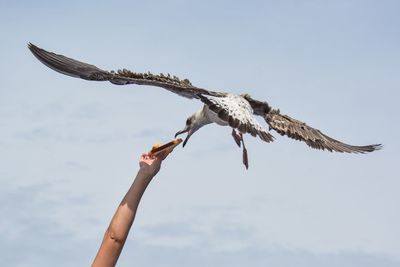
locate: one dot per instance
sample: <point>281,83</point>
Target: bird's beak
<point>185,130</point>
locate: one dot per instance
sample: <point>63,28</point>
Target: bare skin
<point>118,230</point>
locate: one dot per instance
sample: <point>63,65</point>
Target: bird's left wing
<point>78,69</point>
<point>298,130</point>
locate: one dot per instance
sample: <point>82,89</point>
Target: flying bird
<point>226,109</point>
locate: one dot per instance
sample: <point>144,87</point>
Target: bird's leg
<point>236,137</point>
<point>245,157</point>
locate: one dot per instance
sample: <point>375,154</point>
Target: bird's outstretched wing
<point>298,130</point>
<point>78,69</point>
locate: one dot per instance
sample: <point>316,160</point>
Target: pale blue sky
<point>69,147</point>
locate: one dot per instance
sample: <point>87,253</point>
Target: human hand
<point>150,164</point>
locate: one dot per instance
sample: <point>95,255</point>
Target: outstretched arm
<point>117,232</point>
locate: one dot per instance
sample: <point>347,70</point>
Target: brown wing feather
<point>78,69</point>
<point>298,130</point>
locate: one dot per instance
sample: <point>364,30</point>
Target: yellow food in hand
<point>156,145</point>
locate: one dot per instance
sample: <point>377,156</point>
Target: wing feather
<point>298,130</point>
<point>78,69</point>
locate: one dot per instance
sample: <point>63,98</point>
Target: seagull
<point>225,109</point>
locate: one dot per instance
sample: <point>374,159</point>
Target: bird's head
<point>193,123</point>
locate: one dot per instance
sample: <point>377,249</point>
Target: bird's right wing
<point>78,69</point>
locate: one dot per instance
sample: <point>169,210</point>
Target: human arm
<point>117,232</point>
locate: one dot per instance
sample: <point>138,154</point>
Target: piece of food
<point>157,148</point>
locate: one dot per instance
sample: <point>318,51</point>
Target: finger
<point>145,157</point>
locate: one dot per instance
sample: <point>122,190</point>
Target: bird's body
<point>234,105</point>
<point>212,117</point>
<point>225,109</point>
